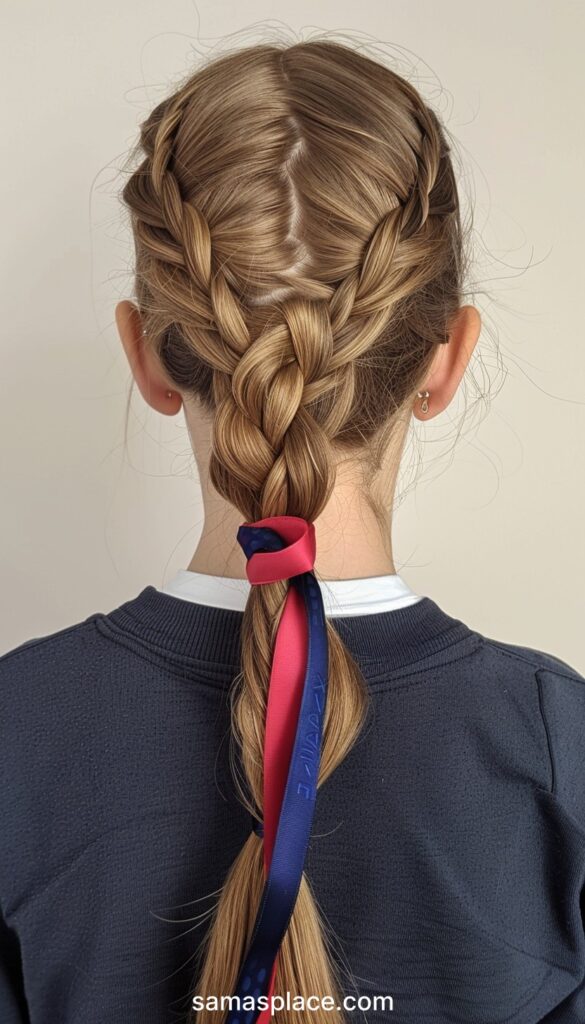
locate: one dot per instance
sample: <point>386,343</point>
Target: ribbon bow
<point>281,548</point>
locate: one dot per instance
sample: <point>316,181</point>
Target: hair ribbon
<point>283,548</point>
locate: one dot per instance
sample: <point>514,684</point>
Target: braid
<point>327,365</point>
<point>176,234</point>
<point>270,456</point>
<point>286,463</point>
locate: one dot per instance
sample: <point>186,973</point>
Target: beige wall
<point>495,533</point>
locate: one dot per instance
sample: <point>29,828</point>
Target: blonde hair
<point>298,259</point>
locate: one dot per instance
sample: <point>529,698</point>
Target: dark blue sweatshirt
<point>448,850</point>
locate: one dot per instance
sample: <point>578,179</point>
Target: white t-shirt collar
<point>367,595</point>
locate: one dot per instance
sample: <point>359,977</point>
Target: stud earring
<point>424,395</point>
<point>169,394</point>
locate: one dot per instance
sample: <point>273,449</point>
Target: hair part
<point>298,259</point>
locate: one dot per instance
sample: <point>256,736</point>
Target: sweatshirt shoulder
<point>560,691</point>
<point>44,670</point>
<point>536,661</point>
<point>554,690</point>
<point>46,648</point>
<point>49,692</point>
<point>40,676</point>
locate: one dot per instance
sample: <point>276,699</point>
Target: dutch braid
<point>287,381</point>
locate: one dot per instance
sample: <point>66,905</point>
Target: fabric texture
<point>447,852</point>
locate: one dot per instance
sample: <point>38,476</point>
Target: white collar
<point>367,595</point>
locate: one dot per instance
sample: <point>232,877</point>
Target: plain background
<point>493,528</point>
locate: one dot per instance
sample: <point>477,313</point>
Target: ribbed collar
<point>382,643</point>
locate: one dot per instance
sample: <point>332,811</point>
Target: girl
<point>163,853</point>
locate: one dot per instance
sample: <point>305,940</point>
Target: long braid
<point>270,456</point>
<point>289,383</point>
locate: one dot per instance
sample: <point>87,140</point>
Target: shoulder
<point>559,694</point>
<point>534,659</point>
<point>47,676</point>
<point>48,690</point>
<point>56,707</point>
<point>55,718</point>
<point>518,664</point>
<point>47,655</point>
<point>65,647</point>
<point>559,687</point>
<point>45,646</point>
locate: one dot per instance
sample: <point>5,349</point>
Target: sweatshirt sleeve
<point>562,696</point>
<point>12,1000</point>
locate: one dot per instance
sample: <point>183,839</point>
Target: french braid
<point>291,380</point>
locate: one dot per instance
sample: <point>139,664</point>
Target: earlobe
<point>152,383</point>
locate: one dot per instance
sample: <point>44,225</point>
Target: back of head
<point>298,259</point>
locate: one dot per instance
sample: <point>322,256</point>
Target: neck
<point>352,541</point>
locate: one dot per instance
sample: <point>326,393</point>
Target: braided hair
<point>298,259</point>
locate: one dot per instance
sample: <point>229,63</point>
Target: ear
<point>153,384</point>
<point>450,363</point>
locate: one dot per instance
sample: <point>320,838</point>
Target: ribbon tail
<point>292,749</point>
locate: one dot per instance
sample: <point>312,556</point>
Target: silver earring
<point>169,394</point>
<point>424,395</point>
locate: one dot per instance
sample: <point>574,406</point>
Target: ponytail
<point>284,948</point>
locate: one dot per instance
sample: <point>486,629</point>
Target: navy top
<point>448,849</point>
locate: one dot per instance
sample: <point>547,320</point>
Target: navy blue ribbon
<point>296,816</point>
